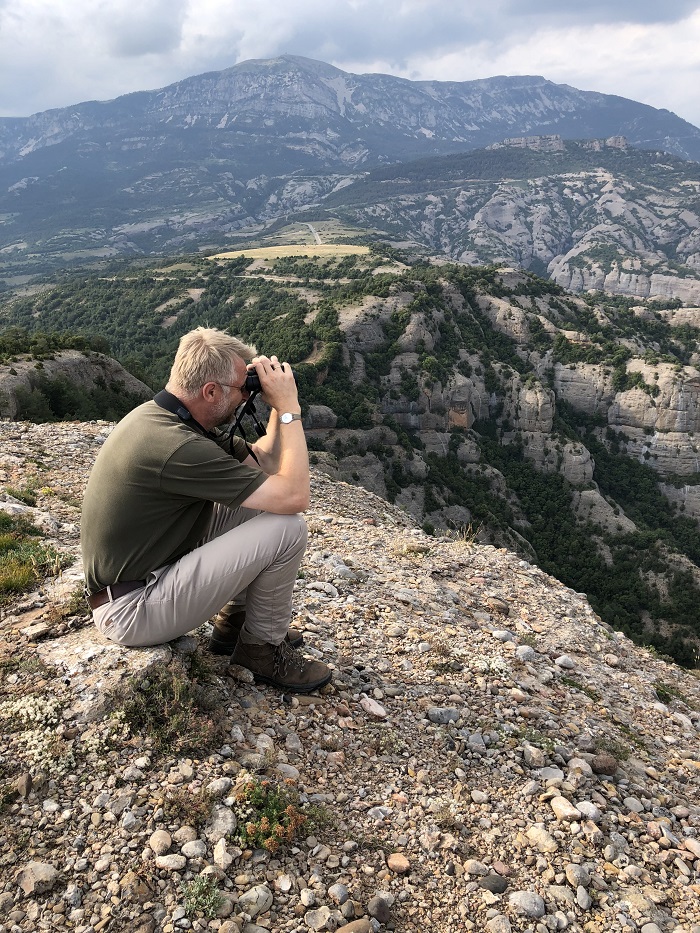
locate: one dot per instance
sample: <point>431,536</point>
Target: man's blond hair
<point>206,354</point>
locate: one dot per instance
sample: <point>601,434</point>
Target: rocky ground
<point>489,755</point>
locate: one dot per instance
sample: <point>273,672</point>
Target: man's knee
<point>293,530</point>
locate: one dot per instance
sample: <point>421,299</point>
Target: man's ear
<point>208,391</point>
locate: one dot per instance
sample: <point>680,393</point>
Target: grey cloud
<point>145,28</point>
<point>597,11</point>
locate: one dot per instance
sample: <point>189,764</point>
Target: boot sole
<point>292,688</point>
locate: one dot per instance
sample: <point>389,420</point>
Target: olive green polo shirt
<point>151,495</point>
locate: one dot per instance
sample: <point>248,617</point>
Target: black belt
<point>113,592</point>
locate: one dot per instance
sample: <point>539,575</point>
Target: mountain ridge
<point>207,157</point>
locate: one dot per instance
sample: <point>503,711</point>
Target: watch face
<point>286,418</point>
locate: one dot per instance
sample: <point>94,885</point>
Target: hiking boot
<point>227,628</point>
<point>282,666</point>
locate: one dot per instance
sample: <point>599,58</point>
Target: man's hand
<point>279,388</point>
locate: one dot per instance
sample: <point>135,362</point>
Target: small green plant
<point>26,494</point>
<point>182,804</point>
<point>589,691</point>
<point>268,815</point>
<point>617,749</point>
<point>535,737</point>
<point>202,897</point>
<point>170,707</point>
<point>72,606</point>
<point>668,692</point>
<point>385,740</point>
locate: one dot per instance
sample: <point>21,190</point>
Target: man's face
<point>231,395</point>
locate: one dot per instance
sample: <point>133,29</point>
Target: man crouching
<point>179,519</point>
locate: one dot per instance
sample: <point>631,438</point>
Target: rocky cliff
<point>84,369</point>
<point>489,755</point>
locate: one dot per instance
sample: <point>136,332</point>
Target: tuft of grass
<point>24,560</point>
<point>170,707</point>
<point>583,688</point>
<point>667,693</point>
<point>202,897</point>
<point>26,494</point>
<point>617,749</point>
<point>74,605</point>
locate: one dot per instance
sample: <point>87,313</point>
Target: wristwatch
<point>290,416</point>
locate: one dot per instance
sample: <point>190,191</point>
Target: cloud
<point>57,52</point>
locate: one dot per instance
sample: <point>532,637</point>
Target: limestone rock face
<point>529,408</point>
<point>320,416</point>
<point>586,387</point>
<point>686,498</point>
<point>590,506</point>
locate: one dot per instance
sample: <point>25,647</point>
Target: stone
<point>220,787</point>
<point>564,809</point>
<point>317,919</point>
<point>338,893</point>
<point>443,715</point>
<point>534,756</point>
<point>541,839</point>
<point>170,862</point>
<point>379,907</point>
<point>222,857</point>
<point>398,863</point>
<point>356,926</point>
<point>37,878</point>
<point>223,823</point>
<point>194,849</point>
<point>583,898</point>
<point>160,841</point>
<point>565,662</point>
<point>604,763</point>
<point>474,867</point>
<point>372,707</point>
<point>589,811</point>
<point>577,875</point>
<point>256,900</point>
<point>527,904</point>
<point>496,884</point>
<point>499,924</point>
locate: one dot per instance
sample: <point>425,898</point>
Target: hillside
<point>201,161</point>
<point>490,756</point>
<point>481,400</point>
<point>593,214</point>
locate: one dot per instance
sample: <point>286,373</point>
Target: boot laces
<point>287,657</point>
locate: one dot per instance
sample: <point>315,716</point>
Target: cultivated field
<point>322,251</point>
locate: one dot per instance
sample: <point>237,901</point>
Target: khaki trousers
<point>248,557</point>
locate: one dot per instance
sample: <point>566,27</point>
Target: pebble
<point>527,904</point>
<point>256,900</point>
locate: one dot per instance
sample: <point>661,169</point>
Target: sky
<point>54,53</point>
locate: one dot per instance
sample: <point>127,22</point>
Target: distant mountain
<point>194,162</point>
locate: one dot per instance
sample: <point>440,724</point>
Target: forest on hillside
<point>137,313</point>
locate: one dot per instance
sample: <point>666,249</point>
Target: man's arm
<point>286,490</point>
<point>268,448</point>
